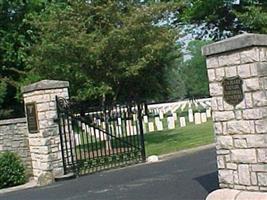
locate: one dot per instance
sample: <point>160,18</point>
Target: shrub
<point>12,171</point>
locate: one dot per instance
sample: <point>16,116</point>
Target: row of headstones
<point>118,130</point>
<point>173,107</point>
<point>165,108</point>
<point>157,125</point>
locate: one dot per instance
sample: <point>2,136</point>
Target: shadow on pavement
<point>209,181</point>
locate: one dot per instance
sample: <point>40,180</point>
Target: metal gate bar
<point>101,139</point>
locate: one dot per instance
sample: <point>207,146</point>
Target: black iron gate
<point>94,139</point>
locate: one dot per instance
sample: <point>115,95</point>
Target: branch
<point>17,70</point>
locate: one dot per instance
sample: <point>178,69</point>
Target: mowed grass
<point>167,141</point>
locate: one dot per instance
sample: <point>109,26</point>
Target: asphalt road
<point>189,177</point>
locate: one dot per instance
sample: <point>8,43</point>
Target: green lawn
<point>168,141</point>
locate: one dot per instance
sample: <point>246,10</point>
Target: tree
<point>109,50</point>
<point>223,18</point>
<point>194,71</point>
<point>16,38</point>
<point>254,17</point>
<point>176,89</point>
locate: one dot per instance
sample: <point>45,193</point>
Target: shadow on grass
<point>209,181</point>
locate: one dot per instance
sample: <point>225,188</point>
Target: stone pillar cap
<point>44,85</point>
<point>234,43</point>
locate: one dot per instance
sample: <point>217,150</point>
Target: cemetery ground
<point>167,141</point>
<point>187,176</point>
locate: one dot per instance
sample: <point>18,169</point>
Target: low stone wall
<point>14,138</point>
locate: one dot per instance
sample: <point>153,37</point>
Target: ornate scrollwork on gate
<point>63,104</point>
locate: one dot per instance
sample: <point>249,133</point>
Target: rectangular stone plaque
<point>32,118</point>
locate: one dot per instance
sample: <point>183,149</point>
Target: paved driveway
<point>189,177</point>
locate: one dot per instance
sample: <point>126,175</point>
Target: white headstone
<point>145,119</point>
<point>182,122</point>
<point>91,130</point>
<point>174,116</point>
<point>159,125</point>
<point>183,106</point>
<point>77,139</point>
<point>128,127</point>
<point>83,126</point>
<point>203,104</point>
<point>157,119</point>
<point>101,134</point>
<point>175,107</point>
<point>197,118</point>
<point>171,123</point>
<point>208,102</point>
<point>119,121</point>
<point>189,104</point>
<point>203,117</point>
<point>208,112</point>
<point>111,129</point>
<point>118,130</point>
<point>151,127</point>
<point>134,130</point>
<point>190,115</point>
<point>95,132</point>
<point>103,125</point>
<point>135,117</point>
<point>145,128</point>
<point>88,129</point>
<point>161,115</point>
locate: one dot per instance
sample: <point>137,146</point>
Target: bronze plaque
<point>32,117</point>
<point>232,90</point>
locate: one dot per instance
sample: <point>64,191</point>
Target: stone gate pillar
<point>237,70</point>
<point>44,141</point>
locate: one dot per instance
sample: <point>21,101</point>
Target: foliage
<point>107,49</point>
<point>176,84</point>
<point>12,171</point>
<point>3,92</point>
<point>254,18</point>
<point>223,18</point>
<point>194,71</point>
<point>16,38</point>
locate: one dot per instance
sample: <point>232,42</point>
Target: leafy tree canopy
<point>112,49</point>
<point>194,71</point>
<point>16,37</point>
<point>223,18</point>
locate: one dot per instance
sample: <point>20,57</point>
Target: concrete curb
<point>30,184</point>
<point>65,177</point>
<point>185,152</point>
<point>230,194</point>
